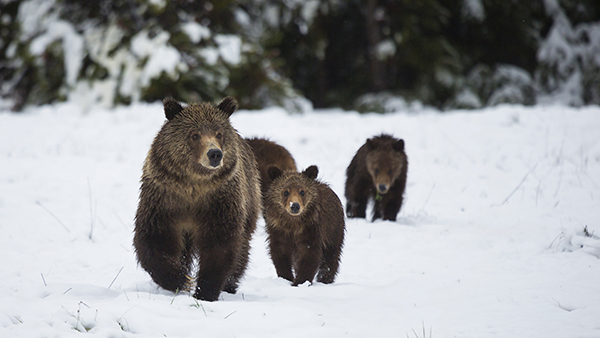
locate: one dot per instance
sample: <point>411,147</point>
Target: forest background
<point>365,55</point>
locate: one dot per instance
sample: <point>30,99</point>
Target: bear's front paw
<point>230,288</point>
<point>207,296</point>
<point>353,210</point>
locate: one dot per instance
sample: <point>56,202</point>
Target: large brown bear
<point>269,153</point>
<point>377,171</point>
<point>305,226</point>
<point>199,200</point>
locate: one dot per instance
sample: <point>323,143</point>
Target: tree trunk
<point>374,37</point>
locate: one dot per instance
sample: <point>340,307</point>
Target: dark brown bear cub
<point>305,226</point>
<point>269,153</point>
<point>377,171</point>
<point>199,201</point>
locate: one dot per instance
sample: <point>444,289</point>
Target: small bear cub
<point>269,153</point>
<point>377,172</point>
<point>305,226</point>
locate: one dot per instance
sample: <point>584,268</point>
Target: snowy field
<point>498,236</point>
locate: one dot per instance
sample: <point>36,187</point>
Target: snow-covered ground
<point>498,236</point>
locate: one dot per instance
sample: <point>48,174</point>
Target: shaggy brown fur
<point>305,226</point>
<point>269,153</point>
<point>377,171</point>
<point>199,200</point>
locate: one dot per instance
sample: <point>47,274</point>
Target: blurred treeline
<point>355,54</point>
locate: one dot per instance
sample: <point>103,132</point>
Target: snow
<point>33,15</point>
<point>161,56</point>
<point>309,10</point>
<point>385,49</point>
<point>230,48</point>
<point>38,20</point>
<point>195,31</point>
<point>72,45</point>
<point>552,7</point>
<point>210,55</point>
<point>569,62</point>
<point>498,236</point>
<point>467,98</point>
<point>160,4</point>
<point>473,9</point>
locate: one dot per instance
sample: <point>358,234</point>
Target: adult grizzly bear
<point>269,153</point>
<point>377,171</point>
<point>199,200</point>
<point>305,226</point>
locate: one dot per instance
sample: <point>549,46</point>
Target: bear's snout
<point>214,157</point>
<point>382,188</point>
<point>295,207</point>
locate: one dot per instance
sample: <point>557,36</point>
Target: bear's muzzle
<point>382,188</point>
<point>214,157</point>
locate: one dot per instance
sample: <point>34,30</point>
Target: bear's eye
<point>301,192</point>
<point>286,193</point>
<point>219,136</point>
<point>376,172</point>
<point>390,172</point>
<point>195,137</point>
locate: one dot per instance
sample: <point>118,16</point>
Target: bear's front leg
<point>160,253</point>
<point>357,197</point>
<point>391,206</point>
<point>329,267</point>
<point>280,249</point>
<point>356,208</point>
<point>309,259</point>
<point>378,207</point>
<point>216,264</point>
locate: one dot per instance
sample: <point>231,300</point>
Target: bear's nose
<point>215,156</point>
<point>295,207</point>
<point>382,188</point>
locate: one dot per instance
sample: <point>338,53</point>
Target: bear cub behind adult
<point>305,226</point>
<point>377,172</point>
<point>199,201</point>
<point>267,154</point>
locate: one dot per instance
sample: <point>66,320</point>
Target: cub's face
<point>293,199</point>
<point>385,165</point>
<point>292,191</point>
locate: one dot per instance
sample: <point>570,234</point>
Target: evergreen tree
<point>445,53</point>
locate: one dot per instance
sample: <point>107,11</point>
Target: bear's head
<point>385,161</point>
<point>198,138</point>
<point>293,191</point>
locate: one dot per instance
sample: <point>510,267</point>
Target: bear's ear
<point>172,108</point>
<point>274,172</point>
<point>228,105</point>
<point>371,144</point>
<point>311,172</point>
<point>399,145</point>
